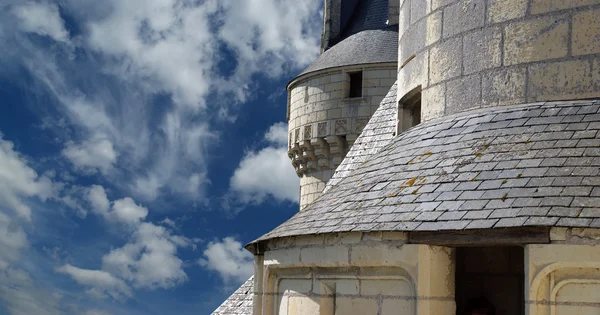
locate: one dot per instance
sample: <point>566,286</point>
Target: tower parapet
<point>475,53</point>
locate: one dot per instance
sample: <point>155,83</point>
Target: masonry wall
<point>474,53</point>
<point>360,273</point>
<point>355,273</point>
<point>324,123</point>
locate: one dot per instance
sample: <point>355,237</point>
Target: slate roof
<point>510,166</point>
<point>376,134</point>
<point>240,302</point>
<point>369,46</point>
<point>366,15</point>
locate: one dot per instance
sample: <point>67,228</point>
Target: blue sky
<point>142,144</point>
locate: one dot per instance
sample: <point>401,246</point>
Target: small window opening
<point>409,110</point>
<point>490,280</point>
<point>356,79</point>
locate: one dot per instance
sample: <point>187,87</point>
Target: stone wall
<point>382,273</point>
<point>354,273</point>
<point>474,53</point>
<point>564,277</point>
<point>324,123</point>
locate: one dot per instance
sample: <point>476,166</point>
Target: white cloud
<point>277,134</point>
<point>43,19</point>
<point>228,258</point>
<point>20,296</point>
<point>148,260</point>
<point>18,181</point>
<point>125,210</point>
<point>267,172</point>
<point>97,197</point>
<point>94,154</point>
<point>12,240</point>
<point>147,48</point>
<point>102,282</point>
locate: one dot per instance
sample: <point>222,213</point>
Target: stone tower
<point>331,101</point>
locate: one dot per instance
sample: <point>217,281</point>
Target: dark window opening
<point>490,279</point>
<point>355,84</point>
<point>409,111</point>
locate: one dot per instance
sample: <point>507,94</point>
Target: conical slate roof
<point>511,166</point>
<point>365,47</point>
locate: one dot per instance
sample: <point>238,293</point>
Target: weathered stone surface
<point>504,10</point>
<point>445,60</point>
<point>586,33</point>
<point>535,40</point>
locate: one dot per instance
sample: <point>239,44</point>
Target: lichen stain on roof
<point>511,166</point>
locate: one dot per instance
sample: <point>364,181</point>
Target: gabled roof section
<point>376,134</point>
<point>497,167</point>
<point>240,302</point>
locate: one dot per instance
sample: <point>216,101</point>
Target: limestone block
<point>541,6</point>
<point>395,307</point>
<point>463,16</point>
<point>386,287</point>
<point>418,10</point>
<point>395,236</point>
<point>433,103</point>
<point>435,4</point>
<point>586,33</point>
<point>413,74</point>
<point>334,113</point>
<point>535,40</point>
<point>413,40</point>
<point>445,60</point>
<point>558,234</point>
<point>434,28</point>
<point>289,256</point>
<point>504,87</point>
<point>347,286</point>
<point>463,93</point>
<point>342,238</point>
<point>380,255</point>
<point>329,255</point>
<point>482,50</point>
<point>355,306</point>
<point>504,10</point>
<point>563,80</point>
<point>404,19</point>
<point>377,74</point>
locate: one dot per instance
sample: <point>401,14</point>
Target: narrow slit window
<point>409,110</point>
<point>356,79</point>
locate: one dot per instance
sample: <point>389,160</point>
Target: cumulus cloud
<point>102,282</point>
<point>266,172</point>
<point>92,154</point>
<point>229,259</point>
<point>148,260</point>
<point>43,19</point>
<point>18,181</point>
<point>149,48</point>
<point>123,210</point>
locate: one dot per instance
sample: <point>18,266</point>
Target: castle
<point>447,149</point>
